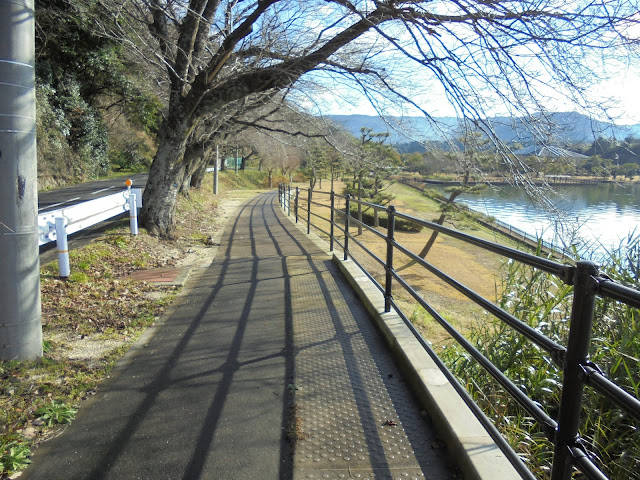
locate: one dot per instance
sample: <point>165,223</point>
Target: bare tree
<point>212,53</point>
<point>271,151</point>
<point>468,159</point>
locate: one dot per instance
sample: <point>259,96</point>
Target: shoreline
<point>535,181</point>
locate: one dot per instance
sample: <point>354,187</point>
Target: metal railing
<point>578,371</point>
<point>56,225</point>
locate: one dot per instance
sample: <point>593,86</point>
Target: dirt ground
<point>101,326</point>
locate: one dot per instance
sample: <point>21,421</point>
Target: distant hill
<point>569,127</point>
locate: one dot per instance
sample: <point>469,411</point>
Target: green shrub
<point>544,302</point>
<point>56,413</point>
<point>72,136</point>
<point>133,155</point>
<point>14,456</point>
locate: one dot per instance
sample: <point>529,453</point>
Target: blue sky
<point>618,89</point>
<point>621,91</point>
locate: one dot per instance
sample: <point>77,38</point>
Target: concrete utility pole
<point>20,313</point>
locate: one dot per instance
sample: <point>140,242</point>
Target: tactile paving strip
<point>357,415</point>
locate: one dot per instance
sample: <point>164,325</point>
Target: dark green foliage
<point>81,76</point>
<point>14,455</point>
<point>626,151</point>
<point>132,155</point>
<point>56,160</point>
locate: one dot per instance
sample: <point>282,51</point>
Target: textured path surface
<point>268,330</point>
<point>358,416</point>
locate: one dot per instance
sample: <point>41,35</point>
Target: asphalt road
<point>64,197</point>
<point>266,340</point>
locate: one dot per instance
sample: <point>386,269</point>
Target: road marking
<point>103,190</point>
<point>58,204</point>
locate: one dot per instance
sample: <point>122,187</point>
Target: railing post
<point>133,214</point>
<point>346,226</point>
<point>63,248</point>
<point>289,199</point>
<point>391,226</point>
<point>309,213</point>
<point>332,221</point>
<point>280,194</point>
<point>576,356</point>
<point>296,203</point>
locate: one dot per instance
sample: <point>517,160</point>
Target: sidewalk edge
<point>470,446</point>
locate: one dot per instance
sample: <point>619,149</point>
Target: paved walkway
<point>268,344</point>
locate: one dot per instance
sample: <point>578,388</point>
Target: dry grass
<point>474,267</point>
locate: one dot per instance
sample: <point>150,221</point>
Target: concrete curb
<point>471,448</point>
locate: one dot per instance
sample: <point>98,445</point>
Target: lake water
<point>595,218</point>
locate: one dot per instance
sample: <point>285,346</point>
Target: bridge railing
<point>572,358</point>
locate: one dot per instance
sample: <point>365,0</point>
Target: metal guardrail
<point>56,225</point>
<point>569,450</point>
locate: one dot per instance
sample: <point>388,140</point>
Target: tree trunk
<point>185,188</point>
<point>332,179</point>
<point>165,179</point>
<point>193,158</point>
<point>376,190</point>
<point>198,176</point>
<point>434,234</point>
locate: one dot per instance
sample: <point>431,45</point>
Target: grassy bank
<point>472,266</point>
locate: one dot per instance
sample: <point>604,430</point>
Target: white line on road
<point>58,204</point>
<point>103,190</point>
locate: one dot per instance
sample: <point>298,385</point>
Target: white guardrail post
<point>133,214</point>
<point>133,211</point>
<point>63,248</point>
<point>56,225</point>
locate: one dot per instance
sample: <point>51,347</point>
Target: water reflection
<point>592,217</point>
